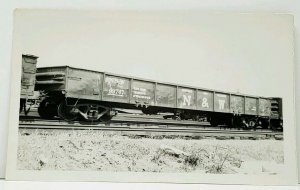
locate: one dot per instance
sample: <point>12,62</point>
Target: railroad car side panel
<point>221,102</point>
<point>205,100</point>
<point>251,106</point>
<point>84,84</point>
<point>142,92</point>
<point>165,95</point>
<point>28,76</point>
<point>264,107</point>
<point>186,98</point>
<point>237,104</point>
<point>116,89</point>
<point>51,78</point>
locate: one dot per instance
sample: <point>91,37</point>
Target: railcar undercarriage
<point>71,109</point>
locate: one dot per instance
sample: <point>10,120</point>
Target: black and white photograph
<point>170,96</point>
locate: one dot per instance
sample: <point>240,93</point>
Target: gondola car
<point>28,82</point>
<point>73,93</point>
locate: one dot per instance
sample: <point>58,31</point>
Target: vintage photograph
<point>74,119</point>
<point>152,92</point>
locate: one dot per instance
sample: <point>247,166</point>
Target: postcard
<point>152,96</point>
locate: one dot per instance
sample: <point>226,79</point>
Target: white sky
<point>249,53</point>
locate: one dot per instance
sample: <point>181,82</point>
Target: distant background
<point>7,6</point>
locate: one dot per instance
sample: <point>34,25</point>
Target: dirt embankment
<point>96,150</point>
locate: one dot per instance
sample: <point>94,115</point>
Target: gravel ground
<point>105,151</point>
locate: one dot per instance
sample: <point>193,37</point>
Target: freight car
<point>28,82</point>
<point>73,93</point>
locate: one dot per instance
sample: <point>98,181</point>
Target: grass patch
<point>106,151</point>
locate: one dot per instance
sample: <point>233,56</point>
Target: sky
<point>245,53</point>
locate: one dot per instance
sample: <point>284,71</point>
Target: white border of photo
<point>289,177</point>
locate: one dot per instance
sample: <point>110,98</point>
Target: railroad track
<point>153,127</point>
<point>121,119</point>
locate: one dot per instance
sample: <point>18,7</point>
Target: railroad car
<point>73,93</point>
<point>28,82</point>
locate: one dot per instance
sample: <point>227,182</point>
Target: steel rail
<point>158,130</point>
<point>142,125</point>
<point>133,121</point>
<point>124,119</point>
